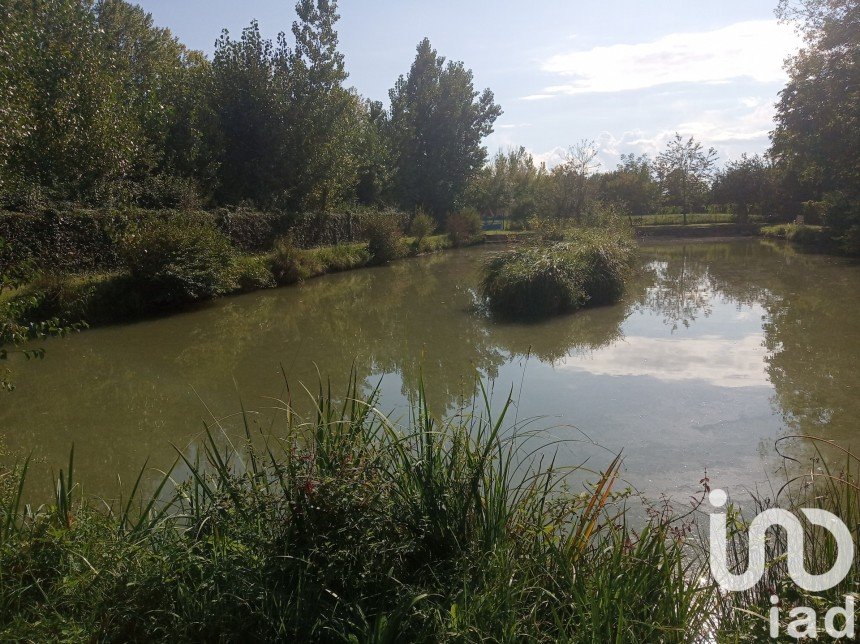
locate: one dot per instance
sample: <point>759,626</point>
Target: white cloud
<point>712,359</point>
<point>754,49</point>
<point>552,157</point>
<point>537,97</point>
<point>512,126</point>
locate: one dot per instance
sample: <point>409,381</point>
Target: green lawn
<point>674,220</point>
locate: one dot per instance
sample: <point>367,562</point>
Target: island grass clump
<point>589,267</point>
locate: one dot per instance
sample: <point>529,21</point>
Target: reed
<point>348,526</point>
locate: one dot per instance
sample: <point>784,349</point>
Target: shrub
<point>168,191</point>
<point>590,268</point>
<point>340,258</point>
<point>174,262</point>
<point>286,262</point>
<point>384,239</point>
<point>422,226</point>
<point>798,233</point>
<point>252,272</point>
<point>463,226</point>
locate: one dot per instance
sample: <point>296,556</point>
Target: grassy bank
<point>347,526</point>
<point>587,267</point>
<point>678,220</point>
<point>816,238</point>
<point>699,231</point>
<point>100,298</point>
<point>805,235</point>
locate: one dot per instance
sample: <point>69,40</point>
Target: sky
<point>626,74</point>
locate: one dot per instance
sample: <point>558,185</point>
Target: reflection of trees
<point>124,393</point>
<point>680,293</point>
<point>812,330</point>
<point>813,337</point>
<point>560,337</point>
<point>685,279</point>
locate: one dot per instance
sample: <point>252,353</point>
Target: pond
<point>718,350</point>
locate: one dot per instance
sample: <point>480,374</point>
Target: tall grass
<point>578,267</point>
<point>677,220</point>
<point>347,526</point>
<point>828,485</point>
<point>799,233</point>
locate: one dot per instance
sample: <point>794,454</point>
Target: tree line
<point>812,169</point>
<point>102,107</point>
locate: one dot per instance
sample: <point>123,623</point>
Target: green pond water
<point>718,350</point>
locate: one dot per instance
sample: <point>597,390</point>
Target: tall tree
<point>373,181</point>
<point>72,129</point>
<point>438,121</point>
<point>325,118</point>
<point>508,185</point>
<point>684,169</point>
<point>631,186</point>
<point>745,184</point>
<point>571,181</point>
<point>817,136</point>
<point>251,80</point>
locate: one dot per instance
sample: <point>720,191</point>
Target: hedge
<point>87,240</point>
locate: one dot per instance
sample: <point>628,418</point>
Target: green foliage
<point>290,264</point>
<point>817,140</point>
<point>174,262</point>
<point>509,186</point>
<point>569,193</point>
<point>437,124</point>
<point>423,225</point>
<point>747,185</point>
<point>631,186</point>
<point>349,527</point>
<point>384,239</point>
<point>684,169</point>
<point>252,273</point>
<point>799,233</point>
<point>286,262</point>
<point>462,227</point>
<point>589,268</point>
<point>101,107</point>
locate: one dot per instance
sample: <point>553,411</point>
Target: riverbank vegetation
<point>140,121</point>
<point>142,129</point>
<point>801,234</point>
<point>574,269</point>
<point>167,264</point>
<point>346,526</point>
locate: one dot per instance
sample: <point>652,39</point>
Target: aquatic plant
<point>589,267</point>
<point>347,526</point>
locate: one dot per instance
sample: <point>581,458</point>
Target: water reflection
<point>717,350</point>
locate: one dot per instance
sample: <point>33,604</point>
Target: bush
<point>589,268</point>
<point>798,233</point>
<point>252,272</point>
<point>464,226</point>
<point>168,191</point>
<point>423,225</point>
<point>175,262</point>
<point>384,239</point>
<point>286,262</point>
